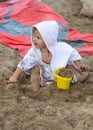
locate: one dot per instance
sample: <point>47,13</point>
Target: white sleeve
<point>27,62</point>
<point>75,56</point>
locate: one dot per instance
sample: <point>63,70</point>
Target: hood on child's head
<point>49,33</point>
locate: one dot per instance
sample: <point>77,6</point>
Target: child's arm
<point>15,75</point>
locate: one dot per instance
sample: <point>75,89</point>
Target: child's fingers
<point>8,82</point>
<point>84,68</point>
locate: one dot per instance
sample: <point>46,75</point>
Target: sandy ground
<point>51,108</point>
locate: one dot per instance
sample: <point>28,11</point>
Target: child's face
<point>37,39</point>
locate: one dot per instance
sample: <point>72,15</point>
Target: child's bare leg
<point>34,80</point>
<point>81,75</point>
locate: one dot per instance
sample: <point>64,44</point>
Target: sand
<point>51,108</point>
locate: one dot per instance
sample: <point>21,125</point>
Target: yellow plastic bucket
<point>62,82</point>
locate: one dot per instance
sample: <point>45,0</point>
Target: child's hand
<point>83,68</point>
<point>12,79</point>
<point>15,75</point>
<point>80,66</point>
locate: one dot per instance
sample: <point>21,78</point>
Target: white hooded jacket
<point>62,53</point>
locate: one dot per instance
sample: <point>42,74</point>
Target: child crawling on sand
<point>48,55</point>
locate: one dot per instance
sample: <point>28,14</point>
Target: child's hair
<point>34,29</point>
